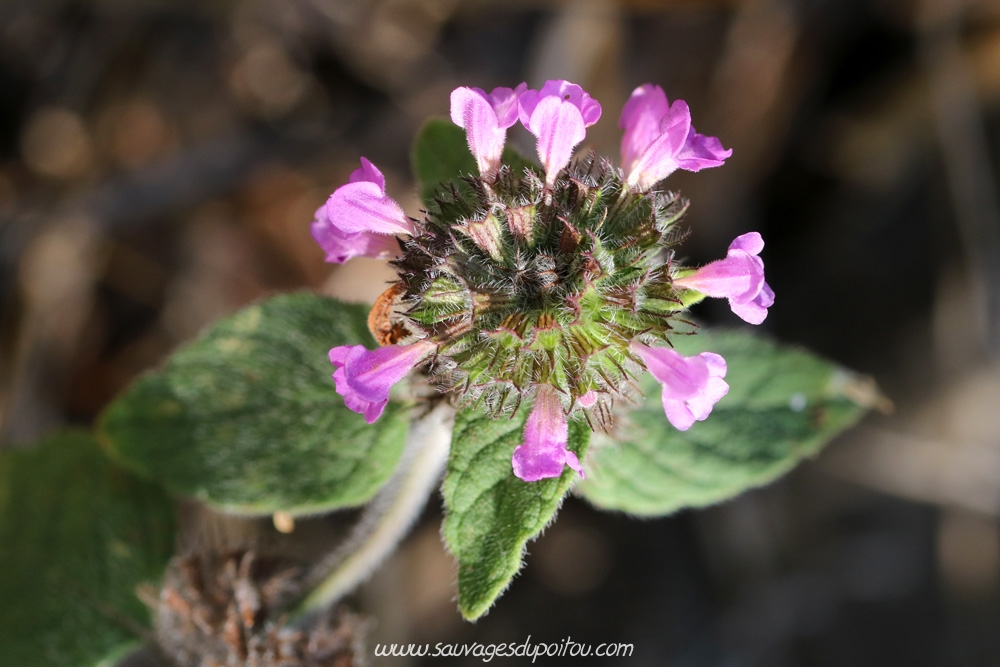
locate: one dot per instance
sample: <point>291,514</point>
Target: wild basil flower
<point>341,246</point>
<point>660,139</point>
<point>691,385</point>
<point>739,277</point>
<point>359,218</point>
<point>364,377</point>
<point>485,119</point>
<point>544,451</point>
<point>557,286</point>
<point>558,116</point>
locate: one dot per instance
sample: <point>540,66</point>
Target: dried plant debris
<point>224,610</point>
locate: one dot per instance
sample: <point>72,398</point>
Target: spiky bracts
<point>521,285</point>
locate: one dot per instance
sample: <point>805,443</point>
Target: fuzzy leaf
<point>490,515</point>
<point>247,419</point>
<point>441,155</point>
<point>783,405</point>
<point>78,536</point>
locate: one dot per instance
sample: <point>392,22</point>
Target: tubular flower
<point>362,206</point>
<point>544,453</point>
<point>691,385</point>
<point>556,285</point>
<point>364,377</point>
<point>558,116</point>
<point>739,277</point>
<point>485,119</point>
<point>341,246</point>
<point>659,139</point>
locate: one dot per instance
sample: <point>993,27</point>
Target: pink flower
<point>341,246</point>
<point>364,377</point>
<point>659,139</point>
<point>739,277</point>
<point>544,452</point>
<point>558,116</point>
<point>362,206</point>
<point>485,119</point>
<point>691,385</point>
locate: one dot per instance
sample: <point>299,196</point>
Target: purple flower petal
<point>739,277</point>
<point>544,452</point>
<point>340,246</point>
<point>659,139</point>
<point>558,116</point>
<point>691,385</point>
<point>751,242</point>
<point>364,377</point>
<point>363,206</point>
<point>485,119</point>
<point>559,128</point>
<point>641,121</point>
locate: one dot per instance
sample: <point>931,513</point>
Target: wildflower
<point>739,277</point>
<point>558,116</point>
<point>660,139</point>
<point>691,385</point>
<point>485,119</point>
<point>552,288</point>
<point>341,246</point>
<point>544,453</point>
<point>364,377</point>
<point>362,206</point>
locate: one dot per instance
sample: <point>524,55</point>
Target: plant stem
<point>389,516</point>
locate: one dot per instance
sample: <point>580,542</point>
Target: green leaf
<point>78,535</point>
<point>441,155</point>
<point>489,513</point>
<point>246,418</point>
<point>783,405</point>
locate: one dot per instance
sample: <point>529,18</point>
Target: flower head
<point>660,139</point>
<point>363,206</point>
<point>544,453</point>
<point>364,377</point>
<point>485,119</point>
<point>691,385</point>
<point>544,288</point>
<point>739,277</point>
<point>558,116</point>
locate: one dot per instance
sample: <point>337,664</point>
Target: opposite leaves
<point>246,418</point>
<point>783,405</point>
<point>78,536</point>
<point>490,515</point>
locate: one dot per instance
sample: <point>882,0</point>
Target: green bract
<point>520,285</point>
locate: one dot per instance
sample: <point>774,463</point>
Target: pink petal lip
<point>691,385</point>
<point>363,206</point>
<point>558,116</point>
<point>544,453</point>
<point>341,246</point>
<point>659,139</point>
<point>365,377</point>
<point>485,119</point>
<point>739,277</point>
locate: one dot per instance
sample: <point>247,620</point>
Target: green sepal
<point>783,405</point>
<point>490,515</point>
<point>79,535</point>
<point>246,418</point>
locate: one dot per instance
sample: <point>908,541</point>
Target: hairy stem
<point>389,516</point>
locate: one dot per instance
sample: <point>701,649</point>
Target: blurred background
<point>160,163</point>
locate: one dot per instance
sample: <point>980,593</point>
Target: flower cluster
<point>556,285</point>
